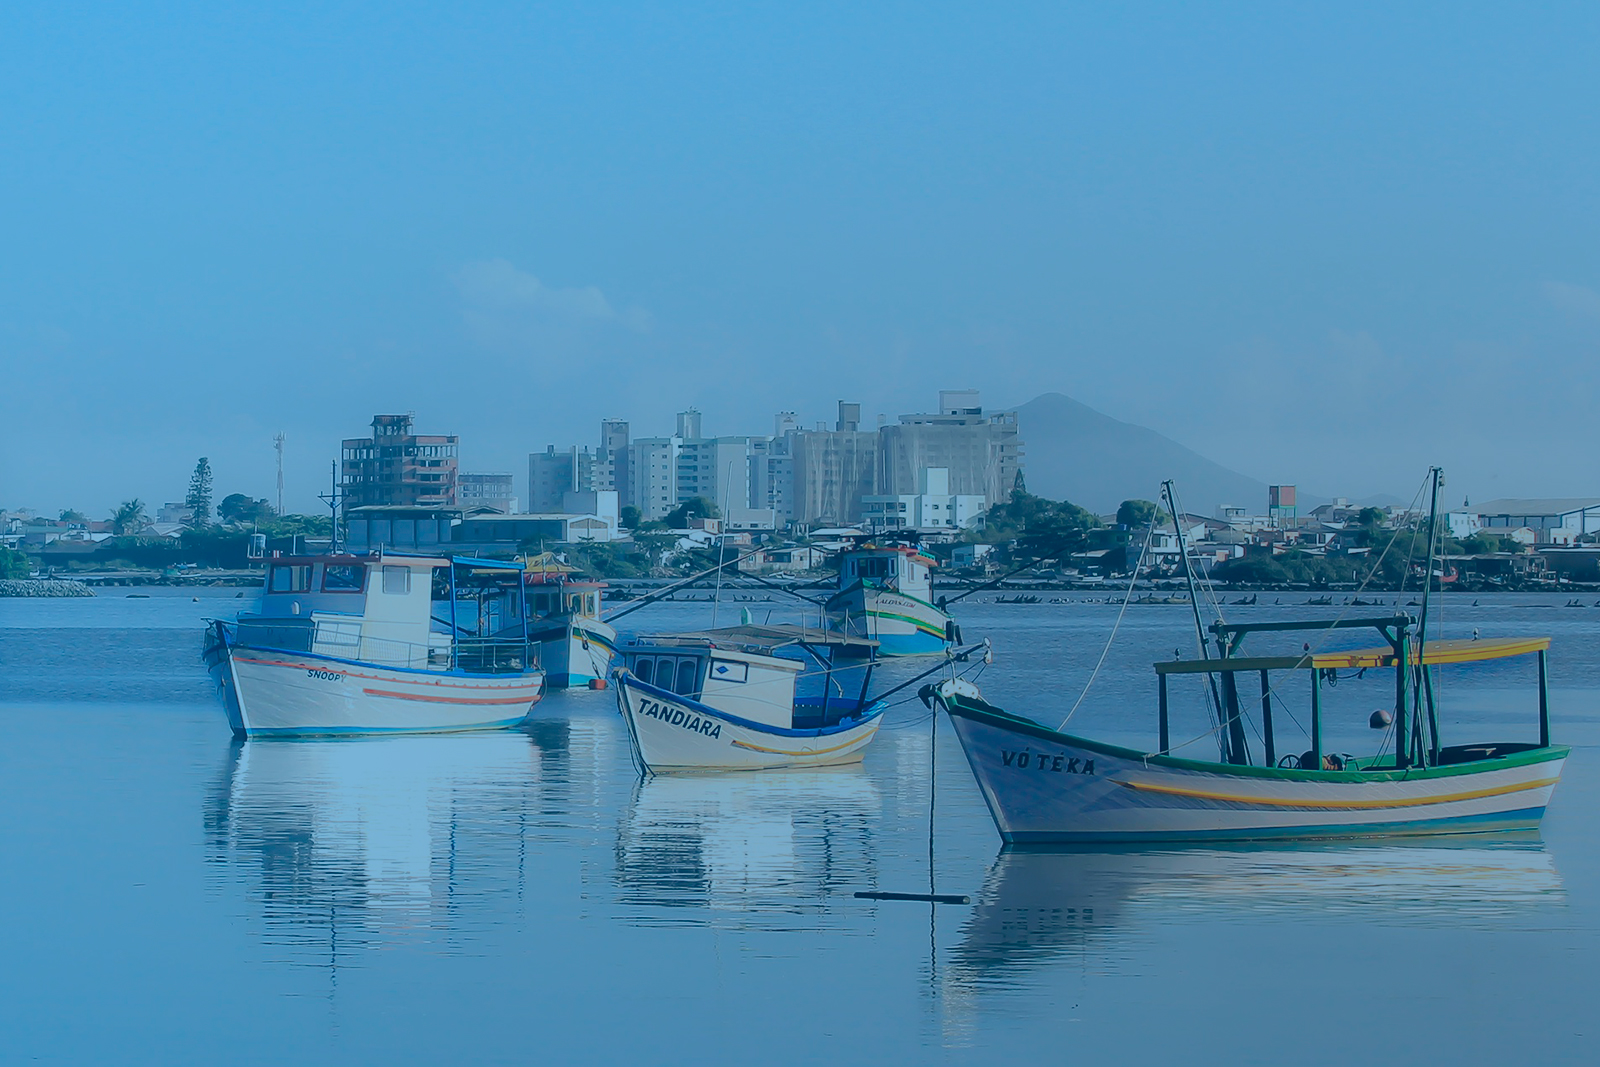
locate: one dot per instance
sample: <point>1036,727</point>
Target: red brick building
<point>398,468</point>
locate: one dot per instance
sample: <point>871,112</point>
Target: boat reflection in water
<point>751,847</point>
<point>1040,907</point>
<point>344,842</point>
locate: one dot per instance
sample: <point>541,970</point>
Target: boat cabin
<point>779,676</point>
<point>899,567</point>
<point>552,590</point>
<point>415,612</point>
<point>550,597</point>
<point>1413,715</point>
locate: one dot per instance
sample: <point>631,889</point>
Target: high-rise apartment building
<point>399,468</point>
<point>834,469</point>
<point>653,475</point>
<point>772,473</point>
<point>552,474</point>
<point>981,450</point>
<point>716,468</point>
<point>611,460</point>
<point>487,491</point>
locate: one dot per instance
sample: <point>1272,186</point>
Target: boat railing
<point>495,655</point>
<point>342,639</point>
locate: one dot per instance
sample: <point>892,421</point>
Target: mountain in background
<point>1072,452</point>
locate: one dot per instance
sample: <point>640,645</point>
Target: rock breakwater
<point>43,587</point>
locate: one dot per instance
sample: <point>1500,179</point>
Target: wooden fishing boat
<point>1043,785</point>
<point>727,699</point>
<point>885,595</point>
<point>575,646</point>
<point>369,644</point>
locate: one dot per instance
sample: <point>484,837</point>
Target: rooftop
<point>1532,506</point>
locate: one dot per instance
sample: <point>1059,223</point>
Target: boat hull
<point>575,651</point>
<point>295,694</point>
<point>902,625</point>
<point>1045,787</point>
<point>671,733</point>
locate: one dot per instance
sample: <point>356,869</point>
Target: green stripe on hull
<point>988,713</point>
<point>918,623</point>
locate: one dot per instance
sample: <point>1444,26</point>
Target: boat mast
<point>1223,741</point>
<point>1424,691</point>
<point>333,500</point>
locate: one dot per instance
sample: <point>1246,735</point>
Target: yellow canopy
<point>546,563</point>
<point>1438,652</point>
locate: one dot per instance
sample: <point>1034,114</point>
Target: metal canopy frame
<point>1400,654</point>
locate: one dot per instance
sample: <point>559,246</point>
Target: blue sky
<point>1327,244</point>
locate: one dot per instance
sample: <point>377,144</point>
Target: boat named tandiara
<point>729,700</point>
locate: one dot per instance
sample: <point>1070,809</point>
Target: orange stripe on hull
<point>786,752</point>
<point>1339,805</point>
<point>347,672</point>
<point>429,699</point>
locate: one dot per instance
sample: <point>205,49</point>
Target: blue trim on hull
<point>363,731</point>
<point>917,644</point>
<point>452,673</point>
<point>871,710</point>
<point>1522,819</point>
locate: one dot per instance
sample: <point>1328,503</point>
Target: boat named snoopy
<point>362,644</point>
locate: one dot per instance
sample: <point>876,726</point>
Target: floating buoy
<point>1381,719</point>
<point>597,683</point>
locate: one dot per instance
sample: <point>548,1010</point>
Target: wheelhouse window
<point>872,567</point>
<point>290,578</point>
<point>341,578</point>
<point>688,677</point>
<point>397,580</point>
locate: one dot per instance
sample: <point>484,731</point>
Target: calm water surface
<point>171,895</point>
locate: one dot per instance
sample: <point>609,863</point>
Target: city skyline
<point>1351,243</point>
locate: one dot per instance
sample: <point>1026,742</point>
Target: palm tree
<point>129,518</point>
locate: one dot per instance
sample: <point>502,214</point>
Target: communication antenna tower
<point>277,443</point>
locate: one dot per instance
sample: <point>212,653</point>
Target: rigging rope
<point>1149,535</point>
<point>1327,632</point>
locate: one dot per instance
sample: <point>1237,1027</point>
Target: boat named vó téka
<point>361,644</point>
<point>1043,785</point>
<point>727,700</point>
<point>884,596</point>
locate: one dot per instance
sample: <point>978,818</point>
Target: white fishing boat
<point>729,700</point>
<point>347,644</point>
<point>1046,786</point>
<point>575,646</point>
<point>885,595</point>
